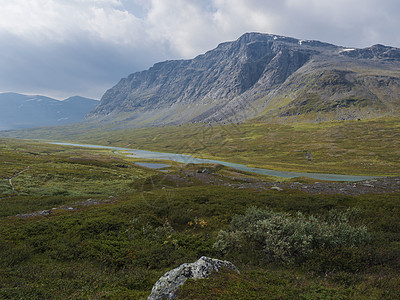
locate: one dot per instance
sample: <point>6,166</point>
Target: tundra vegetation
<point>365,147</point>
<point>84,223</point>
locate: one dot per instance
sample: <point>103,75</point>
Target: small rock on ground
<point>167,285</point>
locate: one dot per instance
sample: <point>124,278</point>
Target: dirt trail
<point>73,206</point>
<point>16,175</point>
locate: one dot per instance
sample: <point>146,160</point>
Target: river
<point>183,158</point>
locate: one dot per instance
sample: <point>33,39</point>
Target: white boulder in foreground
<point>166,286</point>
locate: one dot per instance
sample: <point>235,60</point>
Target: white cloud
<point>57,21</point>
<point>184,24</point>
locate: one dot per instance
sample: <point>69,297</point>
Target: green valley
<point>83,223</point>
<point>368,147</point>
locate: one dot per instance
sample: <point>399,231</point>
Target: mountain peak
<point>255,75</point>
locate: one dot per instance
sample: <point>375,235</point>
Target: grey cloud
<point>91,55</point>
<point>81,66</point>
<point>358,23</point>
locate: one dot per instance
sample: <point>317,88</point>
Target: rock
<point>368,185</point>
<point>45,212</point>
<point>277,188</point>
<point>167,285</point>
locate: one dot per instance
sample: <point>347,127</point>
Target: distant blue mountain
<point>24,111</point>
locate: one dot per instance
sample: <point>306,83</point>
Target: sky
<point>62,48</point>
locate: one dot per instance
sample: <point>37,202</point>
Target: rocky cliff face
<point>259,76</point>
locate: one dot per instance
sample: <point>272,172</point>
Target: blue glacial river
<point>182,158</point>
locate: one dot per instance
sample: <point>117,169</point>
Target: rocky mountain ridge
<point>261,76</point>
<point>25,111</point>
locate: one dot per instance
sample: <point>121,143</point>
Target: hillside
<point>25,111</point>
<point>261,76</point>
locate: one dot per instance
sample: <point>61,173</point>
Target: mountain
<point>23,111</point>
<point>262,76</point>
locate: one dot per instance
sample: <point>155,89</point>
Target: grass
<point>118,249</point>
<point>368,147</point>
<point>44,176</point>
<point>280,283</point>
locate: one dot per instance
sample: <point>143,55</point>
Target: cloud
<point>358,23</point>
<point>42,20</point>
<point>66,47</point>
<point>69,47</point>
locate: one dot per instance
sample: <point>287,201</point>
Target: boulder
<point>167,285</point>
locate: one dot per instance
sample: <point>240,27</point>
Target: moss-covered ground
<point>117,249</point>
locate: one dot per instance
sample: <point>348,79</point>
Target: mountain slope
<point>23,111</point>
<point>260,76</point>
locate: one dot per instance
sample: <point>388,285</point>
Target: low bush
<point>281,237</point>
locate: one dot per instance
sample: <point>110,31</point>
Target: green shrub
<point>282,237</point>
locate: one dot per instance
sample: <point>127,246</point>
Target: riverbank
<point>384,185</point>
<point>188,159</point>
